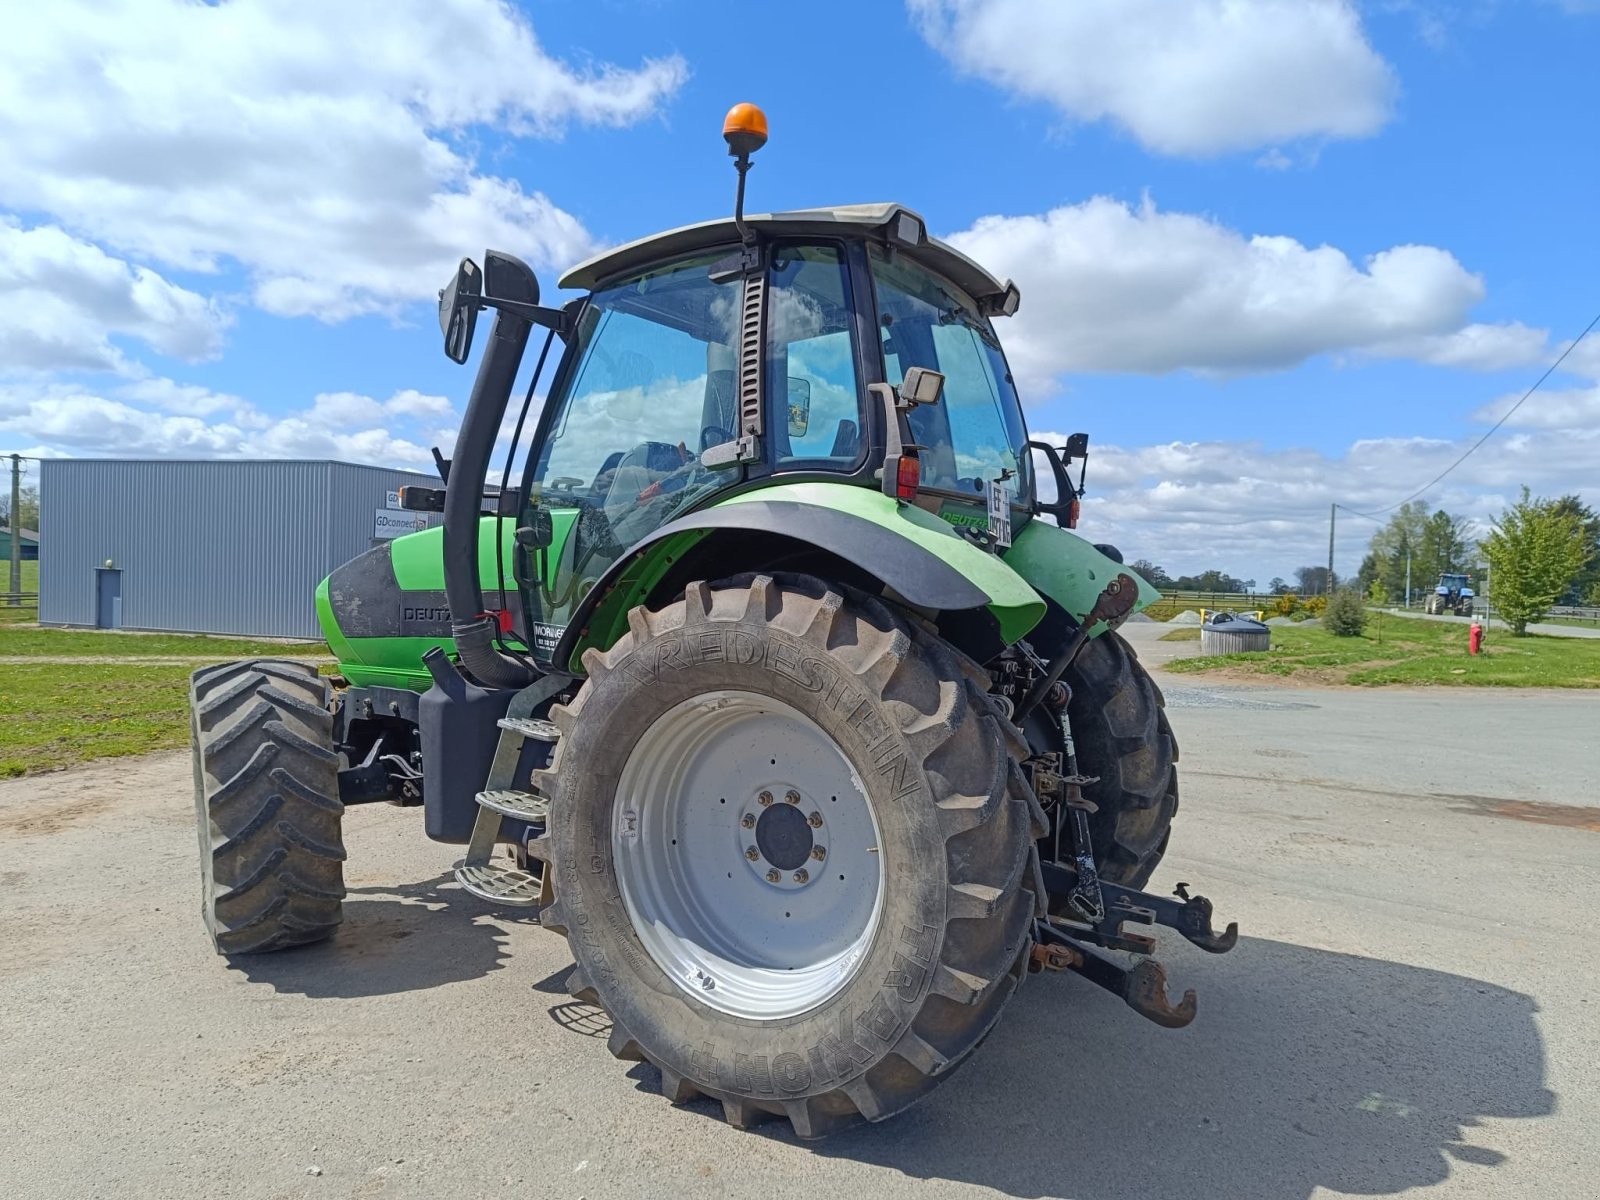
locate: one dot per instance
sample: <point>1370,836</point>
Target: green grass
<point>1414,653</point>
<point>81,643</point>
<point>101,704</point>
<point>10,614</point>
<point>53,717</point>
<point>1183,633</point>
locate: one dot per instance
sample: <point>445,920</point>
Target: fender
<point>1064,567</point>
<point>921,558</point>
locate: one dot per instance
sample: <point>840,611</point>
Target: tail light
<point>907,477</point>
<point>1072,513</point>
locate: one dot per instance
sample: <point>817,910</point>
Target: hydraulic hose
<point>472,628</point>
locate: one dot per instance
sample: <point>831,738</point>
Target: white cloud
<point>1476,347</point>
<point>1107,287</point>
<point>184,399</point>
<point>1196,78</point>
<point>1257,512</point>
<point>158,418</point>
<point>325,147</point>
<point>63,299</point>
<point>1570,408</point>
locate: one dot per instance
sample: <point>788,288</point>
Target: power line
<point>1550,370</point>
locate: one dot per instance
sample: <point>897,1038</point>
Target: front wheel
<point>792,852</point>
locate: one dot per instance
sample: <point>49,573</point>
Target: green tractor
<point>759,678</point>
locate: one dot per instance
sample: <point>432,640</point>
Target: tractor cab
<point>690,379</point>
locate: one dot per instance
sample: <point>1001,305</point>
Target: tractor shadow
<point>1305,1069</point>
<point>403,938</point>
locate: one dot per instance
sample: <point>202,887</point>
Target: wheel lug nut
<point>752,854</point>
<point>773,876</point>
<point>792,796</point>
<point>801,875</point>
<point>814,820</point>
<point>819,852</point>
<point>765,798</point>
<point>748,821</point>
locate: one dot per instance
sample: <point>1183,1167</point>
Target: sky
<point>1273,254</point>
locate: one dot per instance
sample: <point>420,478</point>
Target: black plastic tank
<point>1223,633</point>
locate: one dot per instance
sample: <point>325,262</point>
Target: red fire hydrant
<point>1475,639</point>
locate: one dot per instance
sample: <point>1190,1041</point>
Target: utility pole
<point>1408,576</point>
<point>1333,510</point>
<point>15,525</point>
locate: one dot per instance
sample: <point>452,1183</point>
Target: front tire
<point>266,783</point>
<point>717,962</point>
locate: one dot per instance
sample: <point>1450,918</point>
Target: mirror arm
<point>559,319</point>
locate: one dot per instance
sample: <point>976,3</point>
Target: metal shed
<point>206,547</point>
<point>27,538</point>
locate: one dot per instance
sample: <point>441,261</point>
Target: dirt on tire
<point>266,781</point>
<point>957,826</point>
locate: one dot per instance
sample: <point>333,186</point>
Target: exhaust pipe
<point>472,628</point>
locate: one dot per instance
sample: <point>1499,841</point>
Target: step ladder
<point>500,881</point>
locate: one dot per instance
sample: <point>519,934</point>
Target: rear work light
<point>1072,513</point>
<point>907,477</point>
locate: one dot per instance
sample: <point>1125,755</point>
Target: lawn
<point>116,693</point>
<point>54,716</point>
<point>1411,652</point>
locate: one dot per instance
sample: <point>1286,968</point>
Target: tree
<point>1209,581</point>
<point>1346,615</point>
<point>1535,550</point>
<point>1152,574</point>
<point>1311,581</point>
<point>1587,579</point>
<point>1368,574</point>
<point>27,514</point>
<point>1444,547</point>
<point>1433,545</point>
<point>1278,585</point>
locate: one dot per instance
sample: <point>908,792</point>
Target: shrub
<point>1346,614</point>
<point>1284,605</point>
<point>1314,605</point>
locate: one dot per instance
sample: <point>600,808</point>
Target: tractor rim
<point>747,855</point>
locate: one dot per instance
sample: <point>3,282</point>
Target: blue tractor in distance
<point>1452,594</point>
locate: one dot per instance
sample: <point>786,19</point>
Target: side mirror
<point>799,406</point>
<point>539,531</point>
<point>458,310</point>
<point>1077,447</point>
<point>1065,507</point>
<point>921,386</point>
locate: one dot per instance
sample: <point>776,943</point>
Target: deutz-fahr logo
<point>424,620</point>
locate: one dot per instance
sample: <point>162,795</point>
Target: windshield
<point>976,435</point>
<point>651,382</point>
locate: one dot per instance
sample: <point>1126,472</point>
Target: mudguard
<point>916,554</point>
<point>1063,566</point>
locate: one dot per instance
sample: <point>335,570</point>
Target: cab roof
<point>845,220</point>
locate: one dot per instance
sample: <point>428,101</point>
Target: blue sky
<point>1272,254</point>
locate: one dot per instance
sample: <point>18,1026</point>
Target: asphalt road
<point>1411,1005</point>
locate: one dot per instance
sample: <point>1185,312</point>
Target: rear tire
<point>266,783</point>
<point>715,1006</point>
<point>1121,734</point>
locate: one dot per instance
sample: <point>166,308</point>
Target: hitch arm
<point>1142,986</point>
<point>1189,915</point>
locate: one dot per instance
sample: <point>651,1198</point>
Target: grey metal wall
<point>204,547</point>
